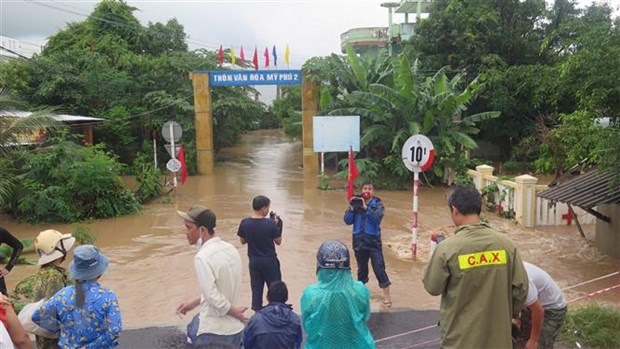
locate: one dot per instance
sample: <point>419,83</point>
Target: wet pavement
<point>391,330</point>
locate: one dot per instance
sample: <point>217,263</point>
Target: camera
<point>357,201</point>
<point>272,215</point>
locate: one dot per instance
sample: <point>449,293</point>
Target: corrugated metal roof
<point>587,190</point>
<point>58,117</point>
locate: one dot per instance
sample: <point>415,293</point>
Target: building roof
<point>59,117</point>
<point>587,190</point>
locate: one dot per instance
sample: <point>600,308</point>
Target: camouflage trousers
<point>551,327</point>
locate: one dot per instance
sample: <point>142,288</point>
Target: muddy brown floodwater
<point>151,267</point>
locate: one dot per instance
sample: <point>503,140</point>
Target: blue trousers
<point>216,341</point>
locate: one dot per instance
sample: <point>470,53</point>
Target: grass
<point>593,326</point>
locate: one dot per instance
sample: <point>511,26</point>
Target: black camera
<point>357,201</point>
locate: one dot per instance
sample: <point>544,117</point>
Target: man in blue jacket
<point>366,213</point>
<point>275,326</point>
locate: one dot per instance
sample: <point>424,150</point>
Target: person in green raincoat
<point>335,311</point>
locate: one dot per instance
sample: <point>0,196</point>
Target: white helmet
<point>51,244</point>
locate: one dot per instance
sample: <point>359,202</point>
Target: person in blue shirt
<point>86,315</point>
<point>365,213</point>
<point>275,326</point>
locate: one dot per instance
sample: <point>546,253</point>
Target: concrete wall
<point>608,234</point>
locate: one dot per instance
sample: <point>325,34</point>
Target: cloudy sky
<point>310,28</point>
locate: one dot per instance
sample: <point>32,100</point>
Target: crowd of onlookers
<point>490,298</point>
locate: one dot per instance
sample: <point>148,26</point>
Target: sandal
<point>387,304</point>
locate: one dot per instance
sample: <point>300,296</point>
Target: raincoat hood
<point>278,314</point>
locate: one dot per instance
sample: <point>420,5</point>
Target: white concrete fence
<point>519,196</point>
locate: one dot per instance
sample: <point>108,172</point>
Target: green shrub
<point>150,182</point>
<point>593,326</point>
<point>70,183</point>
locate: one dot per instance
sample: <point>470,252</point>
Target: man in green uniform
<point>480,277</point>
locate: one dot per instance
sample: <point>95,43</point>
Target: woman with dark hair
<point>86,315</point>
<point>16,245</point>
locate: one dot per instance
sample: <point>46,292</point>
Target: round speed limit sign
<point>418,153</point>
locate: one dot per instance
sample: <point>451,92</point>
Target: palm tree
<point>10,130</point>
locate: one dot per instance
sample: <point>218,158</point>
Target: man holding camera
<point>261,234</point>
<point>365,213</point>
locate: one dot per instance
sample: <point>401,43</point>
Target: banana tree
<point>433,106</point>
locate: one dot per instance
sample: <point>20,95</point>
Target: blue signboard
<point>253,77</point>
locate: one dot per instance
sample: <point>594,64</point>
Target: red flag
<point>221,55</point>
<point>352,175</point>
<point>266,54</point>
<point>255,60</point>
<point>183,167</point>
<point>242,58</point>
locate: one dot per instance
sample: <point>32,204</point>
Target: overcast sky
<point>310,27</point>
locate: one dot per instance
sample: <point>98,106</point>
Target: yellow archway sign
<point>202,82</point>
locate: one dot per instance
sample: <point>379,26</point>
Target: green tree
<point>433,106</point>
<point>12,131</point>
<point>135,77</point>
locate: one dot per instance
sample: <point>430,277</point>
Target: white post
<point>155,152</point>
<point>322,163</point>
<point>173,154</point>
<point>414,215</point>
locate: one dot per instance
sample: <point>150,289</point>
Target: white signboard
<point>418,153</point>
<point>335,133</point>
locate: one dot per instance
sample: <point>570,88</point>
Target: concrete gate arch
<point>202,82</point>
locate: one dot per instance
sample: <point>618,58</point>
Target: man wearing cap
<point>52,247</point>
<point>86,314</point>
<point>218,269</point>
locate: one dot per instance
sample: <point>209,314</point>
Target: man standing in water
<point>366,213</point>
<point>261,235</point>
<point>480,277</point>
<point>218,268</point>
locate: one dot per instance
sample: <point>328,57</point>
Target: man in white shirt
<point>218,269</point>
<point>544,312</point>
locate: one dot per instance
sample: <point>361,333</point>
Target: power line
<point>207,45</point>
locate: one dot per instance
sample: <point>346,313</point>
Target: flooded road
<point>151,264</point>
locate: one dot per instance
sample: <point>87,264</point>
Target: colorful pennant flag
<point>275,56</point>
<point>266,54</point>
<point>255,59</point>
<point>182,161</point>
<point>242,58</point>
<point>287,54</point>
<point>221,55</point>
<point>233,59</point>
<point>352,175</point>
